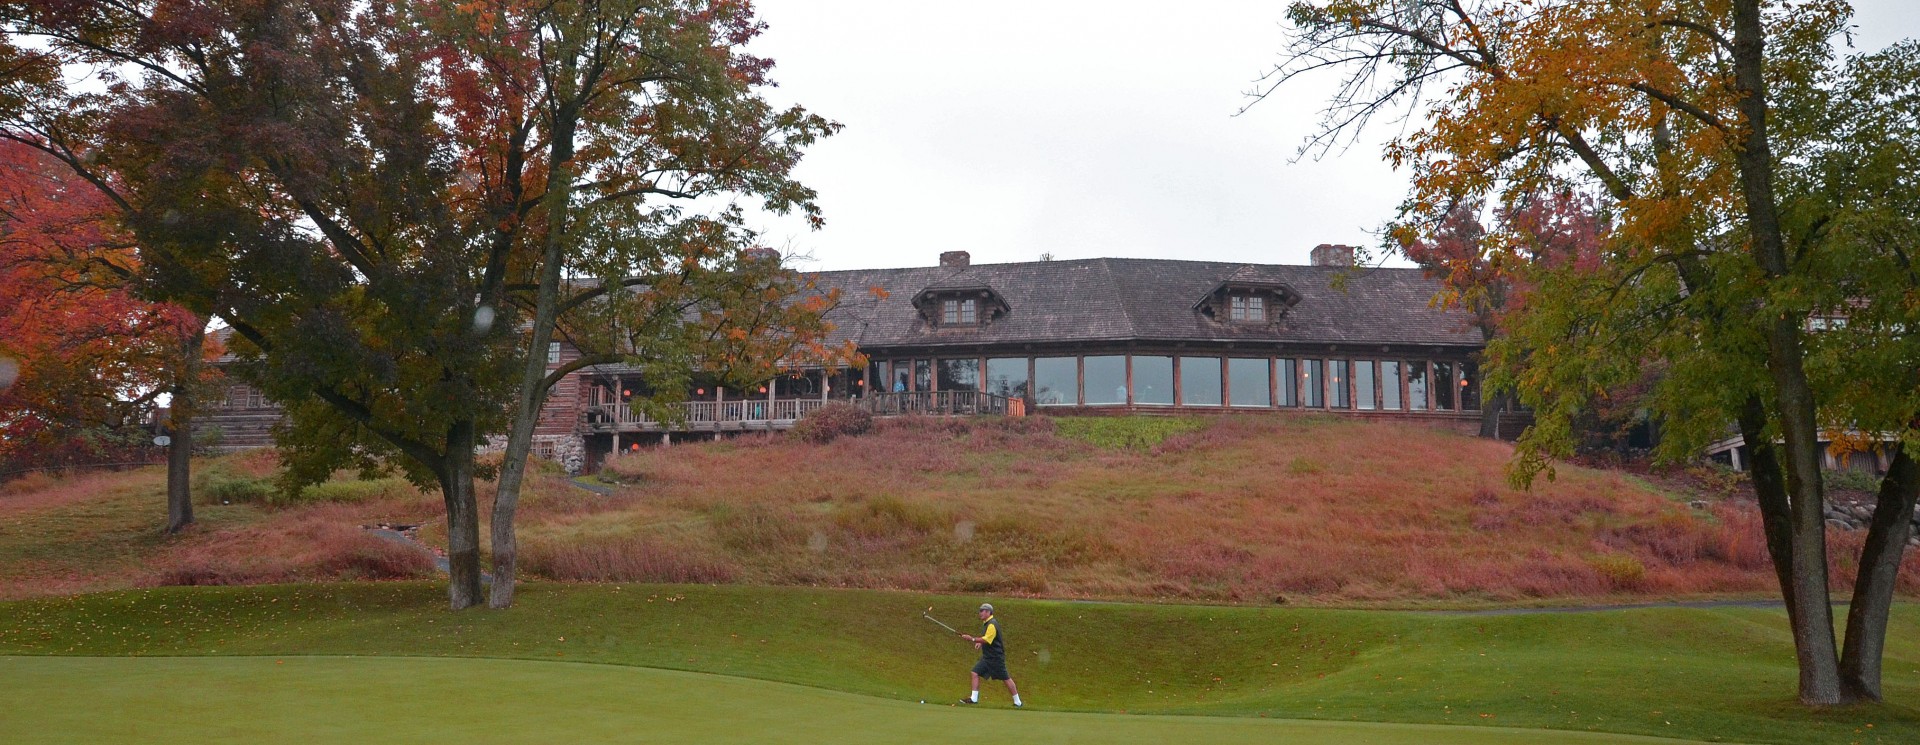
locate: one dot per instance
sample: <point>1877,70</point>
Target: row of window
<point>1154,380</point>
<point>241,397</point>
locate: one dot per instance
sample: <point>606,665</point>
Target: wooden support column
<point>1226,381</point>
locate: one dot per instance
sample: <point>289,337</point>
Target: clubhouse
<point>1090,336</point>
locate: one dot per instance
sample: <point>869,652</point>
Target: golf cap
<point>988,607</point>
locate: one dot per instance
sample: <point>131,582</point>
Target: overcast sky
<point>1081,129</point>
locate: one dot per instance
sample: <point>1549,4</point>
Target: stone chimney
<point>760,253</point>
<point>955,259</point>
<point>1332,254</point>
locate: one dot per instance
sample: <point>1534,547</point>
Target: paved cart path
<point>324,700</point>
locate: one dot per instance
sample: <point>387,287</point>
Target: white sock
<point>975,698</point>
<point>1016,699</point>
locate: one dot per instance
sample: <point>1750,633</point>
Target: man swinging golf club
<point>993,656</point>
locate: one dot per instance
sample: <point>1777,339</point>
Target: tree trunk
<point>1873,589</point>
<point>180,415</point>
<point>1812,614</point>
<point>1770,490</point>
<point>533,382</point>
<point>463,517</point>
<point>1490,411</point>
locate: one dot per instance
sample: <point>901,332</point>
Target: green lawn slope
<point>351,701</point>
<point>1704,674</point>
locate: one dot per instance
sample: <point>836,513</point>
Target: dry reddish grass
<point>1246,509</point>
<point>101,531</point>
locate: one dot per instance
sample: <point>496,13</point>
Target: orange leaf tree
<point>93,358</point>
<point>1755,183</point>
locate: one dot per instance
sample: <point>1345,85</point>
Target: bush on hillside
<point>218,484</point>
<point>1127,432</point>
<point>836,419</point>
<point>357,490</point>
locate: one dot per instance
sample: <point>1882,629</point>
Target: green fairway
<point>339,700</point>
<point>1722,674</point>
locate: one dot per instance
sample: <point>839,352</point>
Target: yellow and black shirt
<point>993,648</point>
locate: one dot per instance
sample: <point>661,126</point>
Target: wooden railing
<point>703,415</point>
<point>938,403</point>
<point>754,414</point>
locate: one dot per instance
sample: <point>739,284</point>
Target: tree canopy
<point>1755,183</point>
<point>381,199</point>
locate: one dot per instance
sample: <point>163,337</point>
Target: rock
<point>1698,504</point>
<point>1838,524</point>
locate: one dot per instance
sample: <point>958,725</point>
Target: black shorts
<point>991,669</point>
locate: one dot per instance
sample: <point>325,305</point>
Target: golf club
<point>927,615</point>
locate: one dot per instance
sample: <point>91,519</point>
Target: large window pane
<point>1289,383</point>
<point>923,375</point>
<point>1470,386</point>
<point>1055,381</point>
<point>1363,397</point>
<point>1200,381</point>
<point>1007,376</point>
<point>1106,378</point>
<point>1312,383</point>
<point>1389,385</point>
<point>1153,380</point>
<point>1417,386</point>
<point>1443,386</point>
<point>959,375</point>
<point>1247,382</point>
<point>1337,383</point>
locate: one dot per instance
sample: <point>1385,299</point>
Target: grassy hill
<point>1258,510</point>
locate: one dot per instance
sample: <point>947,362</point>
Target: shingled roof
<point>1146,300</point>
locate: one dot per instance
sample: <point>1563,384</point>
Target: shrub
<point>356,490</point>
<point>220,484</point>
<point>836,419</point>
<point>1127,432</point>
<point>1623,572</point>
<point>1847,479</point>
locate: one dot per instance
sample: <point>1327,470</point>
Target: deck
<point>754,415</point>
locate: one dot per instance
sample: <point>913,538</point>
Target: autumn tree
<point>395,206</point>
<point>1556,228</point>
<point>94,359</point>
<point>1757,184</point>
<point>593,125</point>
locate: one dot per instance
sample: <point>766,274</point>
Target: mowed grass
<point>334,700</point>
<point>1706,674</point>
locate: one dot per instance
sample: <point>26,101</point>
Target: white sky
<point>1012,129</point>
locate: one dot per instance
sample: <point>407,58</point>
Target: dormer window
<point>959,311</point>
<point>1248,300</point>
<point>1247,308</point>
<point>959,307</point>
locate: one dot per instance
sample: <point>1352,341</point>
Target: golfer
<point>993,656</point>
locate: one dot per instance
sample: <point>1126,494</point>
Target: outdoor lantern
<point>763,389</point>
<point>625,392</point>
<point>699,391</point>
<point>634,447</point>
